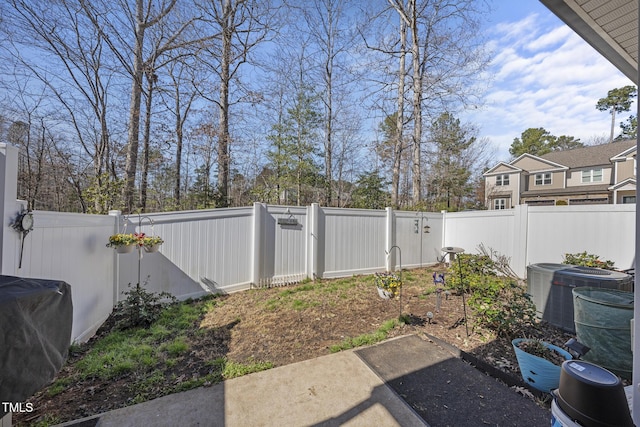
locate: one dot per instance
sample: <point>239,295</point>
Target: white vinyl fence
<point>228,250</point>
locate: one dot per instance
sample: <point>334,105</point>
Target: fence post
<point>313,219</point>
<point>390,240</point>
<point>256,261</point>
<point>117,216</point>
<point>520,240</point>
<point>9,249</point>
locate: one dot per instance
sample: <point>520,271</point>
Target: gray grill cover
<point>35,332</point>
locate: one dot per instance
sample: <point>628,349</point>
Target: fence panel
<point>352,242</point>
<point>72,247</point>
<point>494,230</point>
<point>207,250</point>
<point>417,236</point>
<point>283,258</point>
<point>604,230</point>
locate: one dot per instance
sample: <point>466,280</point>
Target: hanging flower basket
<point>384,294</point>
<point>388,285</point>
<point>151,244</point>
<point>125,249</point>
<point>122,242</point>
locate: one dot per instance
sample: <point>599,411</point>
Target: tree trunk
<point>134,112</point>
<point>223,138</point>
<point>397,147</point>
<point>613,123</point>
<point>417,105</point>
<point>179,142</point>
<point>147,135</point>
<point>328,155</point>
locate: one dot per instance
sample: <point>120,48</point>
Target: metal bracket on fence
<point>289,220</point>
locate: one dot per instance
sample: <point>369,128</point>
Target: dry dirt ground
<point>269,325</point>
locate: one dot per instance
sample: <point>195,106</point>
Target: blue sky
<point>543,75</point>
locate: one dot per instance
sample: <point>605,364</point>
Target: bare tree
<point>398,145</point>
<point>242,25</point>
<point>444,53</point>
<point>326,21</point>
<point>60,31</point>
<point>117,30</point>
<point>183,81</point>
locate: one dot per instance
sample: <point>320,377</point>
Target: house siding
<point>575,177</point>
<point>616,160</point>
<point>531,164</point>
<point>557,181</point>
<point>625,169</point>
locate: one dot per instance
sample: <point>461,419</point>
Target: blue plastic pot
<point>539,373</point>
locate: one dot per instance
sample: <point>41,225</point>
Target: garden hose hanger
<point>23,224</point>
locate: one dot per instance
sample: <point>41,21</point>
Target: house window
<point>628,199</point>
<point>543,178</point>
<point>593,175</point>
<point>500,204</point>
<point>502,180</point>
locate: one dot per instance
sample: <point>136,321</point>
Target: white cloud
<point>545,76</point>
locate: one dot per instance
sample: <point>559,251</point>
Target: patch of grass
<point>229,369</point>
<point>176,347</point>
<point>139,349</point>
<point>59,386</point>
<point>144,389</point>
<point>311,294</point>
<point>109,359</point>
<point>367,339</point>
<point>196,382</point>
<point>181,316</point>
<point>46,421</point>
<point>297,289</point>
<point>233,369</point>
<point>302,304</point>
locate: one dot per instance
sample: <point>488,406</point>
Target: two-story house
<point>597,174</point>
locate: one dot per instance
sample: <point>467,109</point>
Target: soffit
<point>610,27</point>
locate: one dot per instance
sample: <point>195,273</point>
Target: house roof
<point>529,158</point>
<point>629,183</point>
<point>593,155</point>
<point>610,27</point>
<point>501,168</point>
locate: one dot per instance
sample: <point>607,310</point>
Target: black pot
<point>592,395</point>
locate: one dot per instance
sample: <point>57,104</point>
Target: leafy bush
<point>587,260</point>
<point>140,307</point>
<point>499,302</point>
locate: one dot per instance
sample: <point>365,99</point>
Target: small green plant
<point>177,347</point>
<point>58,386</point>
<point>587,260</point>
<point>140,307</point>
<point>390,282</point>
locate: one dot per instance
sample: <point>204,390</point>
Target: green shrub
<point>587,260</point>
<point>140,307</point>
<point>499,302</point>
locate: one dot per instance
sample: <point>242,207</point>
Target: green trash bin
<point>603,322</point>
